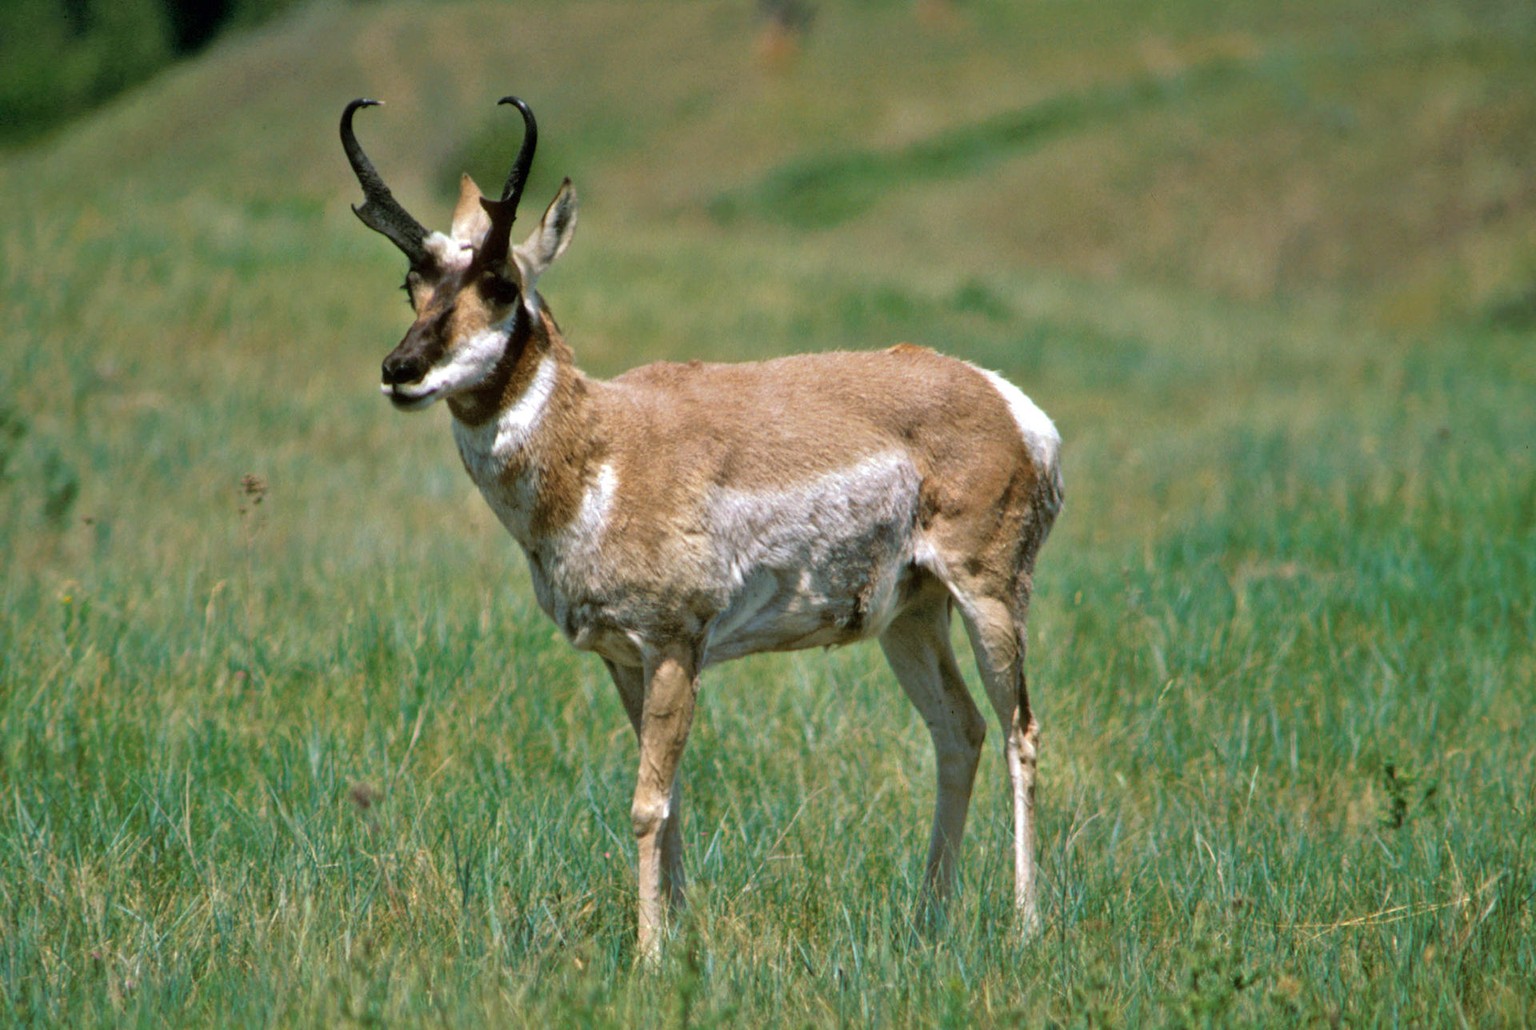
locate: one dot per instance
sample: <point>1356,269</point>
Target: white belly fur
<point>815,565</point>
<point>818,564</point>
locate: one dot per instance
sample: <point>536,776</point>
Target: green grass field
<point>285,741</point>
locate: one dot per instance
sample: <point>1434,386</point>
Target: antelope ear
<point>549,240</point>
<point>469,219</point>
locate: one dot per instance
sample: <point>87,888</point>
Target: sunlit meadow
<point>285,741</point>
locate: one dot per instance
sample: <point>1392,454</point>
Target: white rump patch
<point>1039,432</point>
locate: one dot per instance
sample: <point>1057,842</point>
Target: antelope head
<point>473,293</point>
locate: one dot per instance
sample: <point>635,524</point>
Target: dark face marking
<point>497,291</point>
<point>423,346</point>
<point>426,341</point>
<point>449,303</point>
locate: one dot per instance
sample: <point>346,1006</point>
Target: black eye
<point>498,290</point>
<point>410,286</point>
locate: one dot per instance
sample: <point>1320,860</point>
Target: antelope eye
<point>410,286</point>
<point>498,290</point>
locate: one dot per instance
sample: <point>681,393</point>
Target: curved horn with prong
<point>380,211</point>
<point>503,212</point>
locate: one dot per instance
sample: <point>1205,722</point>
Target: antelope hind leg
<point>917,647</point>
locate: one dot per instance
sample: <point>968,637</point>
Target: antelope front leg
<point>665,718</point>
<point>630,681</point>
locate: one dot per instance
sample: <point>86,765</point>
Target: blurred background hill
<point>1378,155</point>
<point>60,58</point>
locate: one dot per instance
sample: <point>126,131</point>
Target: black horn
<point>503,212</point>
<point>512,192</point>
<point>380,210</point>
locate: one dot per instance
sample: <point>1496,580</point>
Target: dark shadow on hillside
<point>826,190</point>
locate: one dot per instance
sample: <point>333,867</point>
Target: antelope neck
<point>528,342</point>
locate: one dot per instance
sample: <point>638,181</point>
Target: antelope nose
<point>403,368</point>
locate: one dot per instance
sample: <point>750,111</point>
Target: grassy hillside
<point>283,738</point>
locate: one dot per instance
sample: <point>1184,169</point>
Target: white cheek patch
<point>470,363</point>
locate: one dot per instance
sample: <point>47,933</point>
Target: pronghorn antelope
<point>682,515</point>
